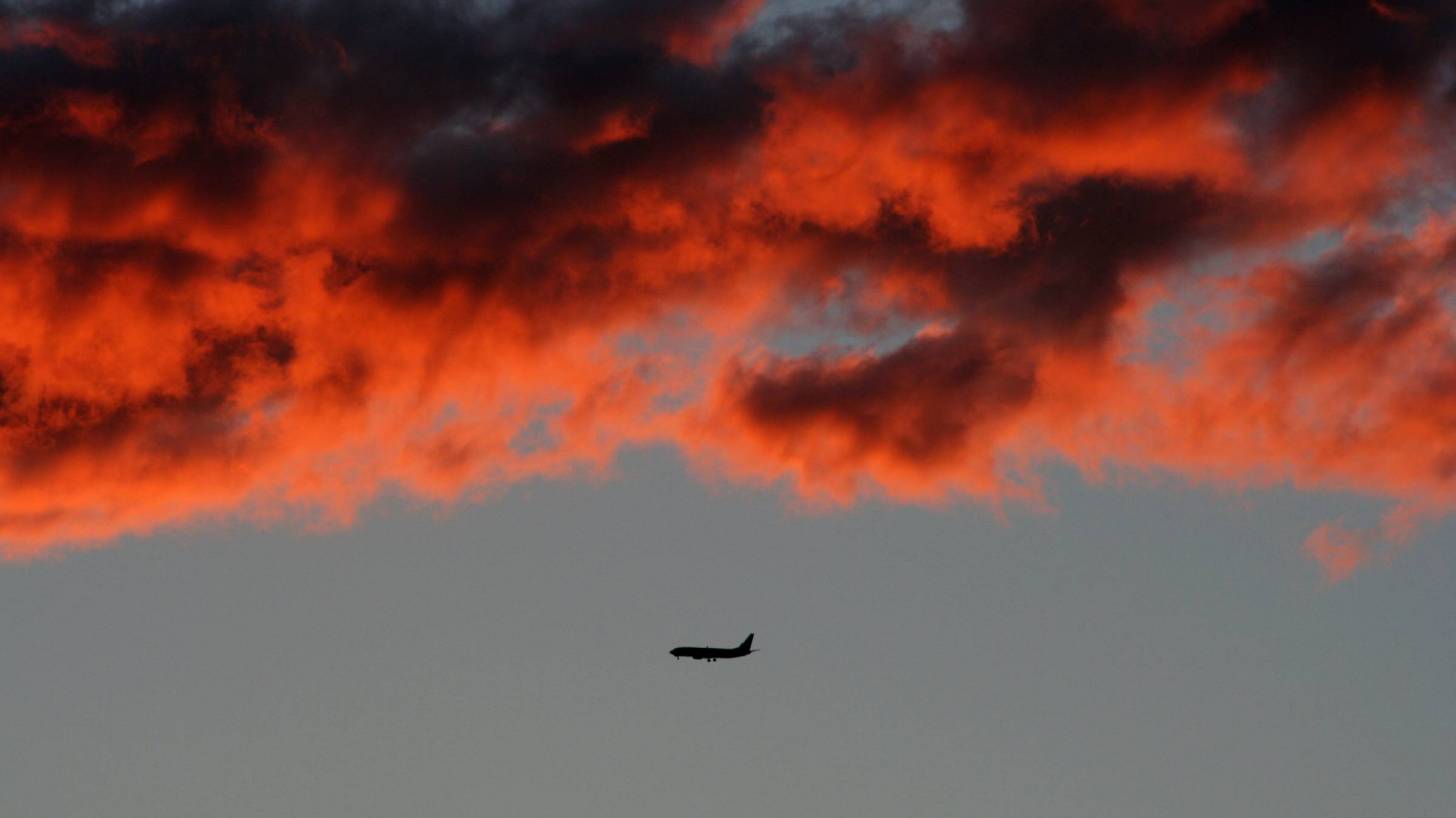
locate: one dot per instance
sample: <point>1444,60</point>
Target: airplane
<point>714,654</point>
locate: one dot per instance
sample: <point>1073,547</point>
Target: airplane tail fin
<point>747,643</point>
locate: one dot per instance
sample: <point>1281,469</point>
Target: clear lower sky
<point>1138,651</point>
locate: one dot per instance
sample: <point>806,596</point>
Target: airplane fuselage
<point>714,654</point>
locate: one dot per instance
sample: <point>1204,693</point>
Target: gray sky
<point>1141,651</point>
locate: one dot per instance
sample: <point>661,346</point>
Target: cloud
<point>270,259</point>
<point>1338,551</point>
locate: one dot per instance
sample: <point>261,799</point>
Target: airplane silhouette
<point>714,654</point>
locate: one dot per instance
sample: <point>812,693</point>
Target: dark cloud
<point>296,250</point>
<point>924,403</point>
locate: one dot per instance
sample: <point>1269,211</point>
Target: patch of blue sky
<point>779,19</point>
<point>805,340</point>
<point>538,433</point>
<point>842,324</point>
<point>1422,200</point>
<point>1314,246</point>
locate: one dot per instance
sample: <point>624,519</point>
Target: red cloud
<point>1338,551</point>
<point>257,263</point>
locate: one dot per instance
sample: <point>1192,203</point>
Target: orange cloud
<point>1338,551</point>
<point>270,264</point>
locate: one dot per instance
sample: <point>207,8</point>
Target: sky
<point>1063,392</point>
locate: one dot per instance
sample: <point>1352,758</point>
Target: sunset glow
<point>269,260</point>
